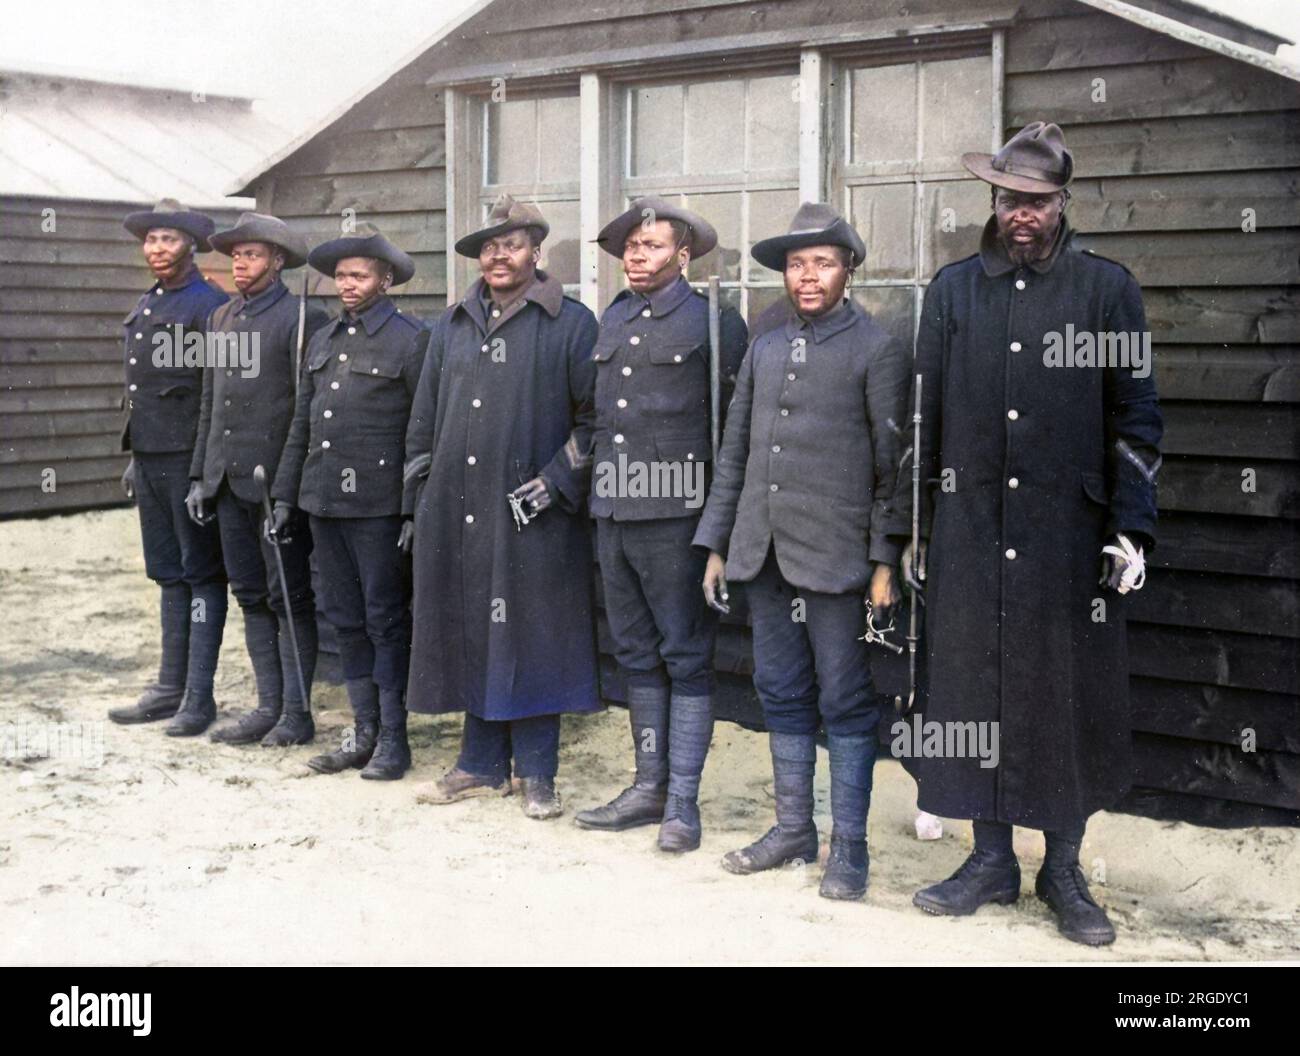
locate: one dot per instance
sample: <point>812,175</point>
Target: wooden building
<point>76,156</point>
<point>1186,133</point>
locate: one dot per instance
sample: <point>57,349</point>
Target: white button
<point>352,329</point>
<point>157,291</point>
<point>634,340</point>
<point>242,315</point>
<point>621,403</point>
<point>1011,555</point>
<point>677,359</point>
<point>324,443</point>
<point>1013,414</point>
<point>139,336</point>
<point>645,312</point>
<point>148,311</point>
<point>343,357</point>
<point>374,370</point>
<point>1015,346</point>
<point>334,384</point>
<point>496,312</point>
<point>776,449</point>
<point>483,349</point>
<point>785,412</point>
<point>690,456</point>
<point>476,402</point>
<point>469,518</point>
<point>1020,284</point>
<point>775,487</point>
<point>790,375</point>
<point>1014,482</point>
<point>381,461</point>
<point>329,414</point>
<point>627,371</point>
<point>471,460</point>
<point>132,388</point>
<point>131,361</point>
<point>618,438</point>
<point>225,432</point>
<point>230,373</point>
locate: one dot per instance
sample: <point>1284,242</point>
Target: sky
<point>299,60</point>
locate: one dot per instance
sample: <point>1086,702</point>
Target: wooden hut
<point>1186,131</point>
<point>77,155</point>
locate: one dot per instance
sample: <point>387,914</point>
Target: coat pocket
<point>605,348</point>
<point>377,368</point>
<point>671,355</point>
<point>683,448</point>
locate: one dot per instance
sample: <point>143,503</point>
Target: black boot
<point>392,756</point>
<point>359,742</point>
<point>296,725</point>
<point>990,874</point>
<point>690,729</point>
<point>852,759</point>
<point>846,869</point>
<point>262,638</point>
<point>197,712</point>
<point>794,837</point>
<point>155,703</point>
<point>1060,883</point>
<point>162,699</point>
<point>643,802</point>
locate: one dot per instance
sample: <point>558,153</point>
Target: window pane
<point>884,113</point>
<point>773,140</point>
<point>957,108</point>
<point>558,126</point>
<point>883,215</point>
<point>512,141</point>
<point>561,250</point>
<point>723,212</point>
<point>890,307</point>
<point>770,213</point>
<point>955,214</point>
<point>708,103</point>
<point>656,130</point>
<point>769,307</point>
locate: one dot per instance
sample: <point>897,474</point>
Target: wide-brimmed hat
<point>701,235</point>
<point>815,224</point>
<point>367,242</point>
<point>259,227</point>
<point>1034,160</point>
<point>170,213</point>
<point>506,215</point>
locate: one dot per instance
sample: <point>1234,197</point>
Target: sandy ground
<point>182,852</point>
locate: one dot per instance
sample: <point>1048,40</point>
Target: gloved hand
<point>1123,565</point>
<point>194,504</point>
<point>128,480</point>
<point>407,535</point>
<point>279,529</point>
<point>913,566</point>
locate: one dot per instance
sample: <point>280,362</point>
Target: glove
<point>1123,566</point>
<point>194,504</point>
<point>279,529</point>
<point>912,565</point>
<point>407,536</point>
<point>128,480</point>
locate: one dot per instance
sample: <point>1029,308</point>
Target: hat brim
<point>770,252</point>
<point>196,225</point>
<point>471,244</point>
<point>981,165</point>
<point>295,254</point>
<point>613,236</point>
<point>325,256</point>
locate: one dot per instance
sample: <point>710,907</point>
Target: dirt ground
<point>120,845</point>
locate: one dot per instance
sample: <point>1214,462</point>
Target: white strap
<point>1134,568</point>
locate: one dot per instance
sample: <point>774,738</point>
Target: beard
<point>1021,253</point>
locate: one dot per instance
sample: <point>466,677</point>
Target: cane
<point>259,478</point>
<point>913,618</point>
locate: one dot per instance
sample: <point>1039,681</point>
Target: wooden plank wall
<point>63,294</point>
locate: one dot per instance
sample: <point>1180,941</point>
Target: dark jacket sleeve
<point>719,517</point>
<point>288,475</point>
<point>568,474</point>
<point>886,391</point>
<point>419,427</point>
<point>928,365</point>
<point>1134,427</point>
<point>733,340</point>
<point>205,412</point>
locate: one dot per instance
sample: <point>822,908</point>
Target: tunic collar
<point>823,326</point>
<point>372,318</point>
<point>661,301</point>
<point>993,255</point>
<point>187,280</point>
<point>260,302</point>
<point>546,292</point>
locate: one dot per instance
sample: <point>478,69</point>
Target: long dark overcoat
<point>1029,468</point>
<point>504,619</point>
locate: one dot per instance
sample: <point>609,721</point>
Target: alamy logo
<point>1105,348</point>
<point>633,479</point>
<point>227,349</point>
<point>76,1009</point>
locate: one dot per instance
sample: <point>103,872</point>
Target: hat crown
<point>169,205</point>
<point>263,218</point>
<point>813,216</point>
<point>1038,148</point>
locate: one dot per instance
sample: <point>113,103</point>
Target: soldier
<point>1047,462</point>
<point>798,511</point>
<point>653,425</point>
<point>162,405</point>
<point>343,466</point>
<point>501,433</point>
<point>247,408</point>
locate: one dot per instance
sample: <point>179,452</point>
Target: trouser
<point>365,583</point>
<point>663,630</point>
<point>488,746</point>
<point>1062,843</point>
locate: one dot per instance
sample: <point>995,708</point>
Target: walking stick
<point>715,367</point>
<point>913,618</point>
<point>259,478</point>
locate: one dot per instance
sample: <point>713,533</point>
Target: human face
<point>168,253</point>
<point>360,282</point>
<point>815,278</point>
<point>254,266</point>
<point>651,257</point>
<point>1027,223</point>
<point>508,263</point>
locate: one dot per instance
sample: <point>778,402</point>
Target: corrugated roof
<point>80,138</point>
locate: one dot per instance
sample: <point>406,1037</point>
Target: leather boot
<point>642,803</point>
<point>457,784</point>
<point>987,875</point>
<point>296,725</point>
<point>208,604</point>
<point>261,637</point>
<point>794,837</point>
<point>359,743</point>
<point>197,712</point>
<point>1061,884</point>
<point>851,759</point>
<point>162,699</point>
<point>690,729</point>
<point>155,703</point>
<point>392,756</point>
<point>541,801</point>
